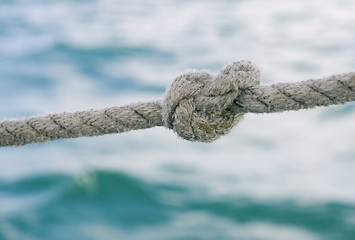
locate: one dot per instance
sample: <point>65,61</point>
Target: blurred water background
<point>276,176</point>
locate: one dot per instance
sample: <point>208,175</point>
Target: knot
<point>198,106</point>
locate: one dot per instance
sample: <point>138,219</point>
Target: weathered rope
<point>197,106</point>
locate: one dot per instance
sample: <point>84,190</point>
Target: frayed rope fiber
<point>197,106</point>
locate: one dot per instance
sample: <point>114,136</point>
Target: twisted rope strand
<point>79,124</point>
<point>243,98</point>
<point>336,89</point>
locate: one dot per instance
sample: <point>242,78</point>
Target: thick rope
<point>197,106</point>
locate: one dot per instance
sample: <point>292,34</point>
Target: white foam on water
<point>189,224</point>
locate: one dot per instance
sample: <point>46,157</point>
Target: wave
<point>60,206</point>
<point>88,62</point>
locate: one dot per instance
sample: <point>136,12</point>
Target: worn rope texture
<point>198,107</point>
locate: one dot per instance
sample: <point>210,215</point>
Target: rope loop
<point>197,106</point>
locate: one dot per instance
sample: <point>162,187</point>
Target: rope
<point>197,106</point>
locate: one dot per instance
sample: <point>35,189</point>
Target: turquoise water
<point>277,176</point>
<point>110,204</point>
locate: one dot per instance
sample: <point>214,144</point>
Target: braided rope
<point>197,106</point>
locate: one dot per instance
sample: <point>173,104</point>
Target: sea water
<point>275,176</point>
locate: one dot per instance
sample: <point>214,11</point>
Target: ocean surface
<point>285,176</point>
